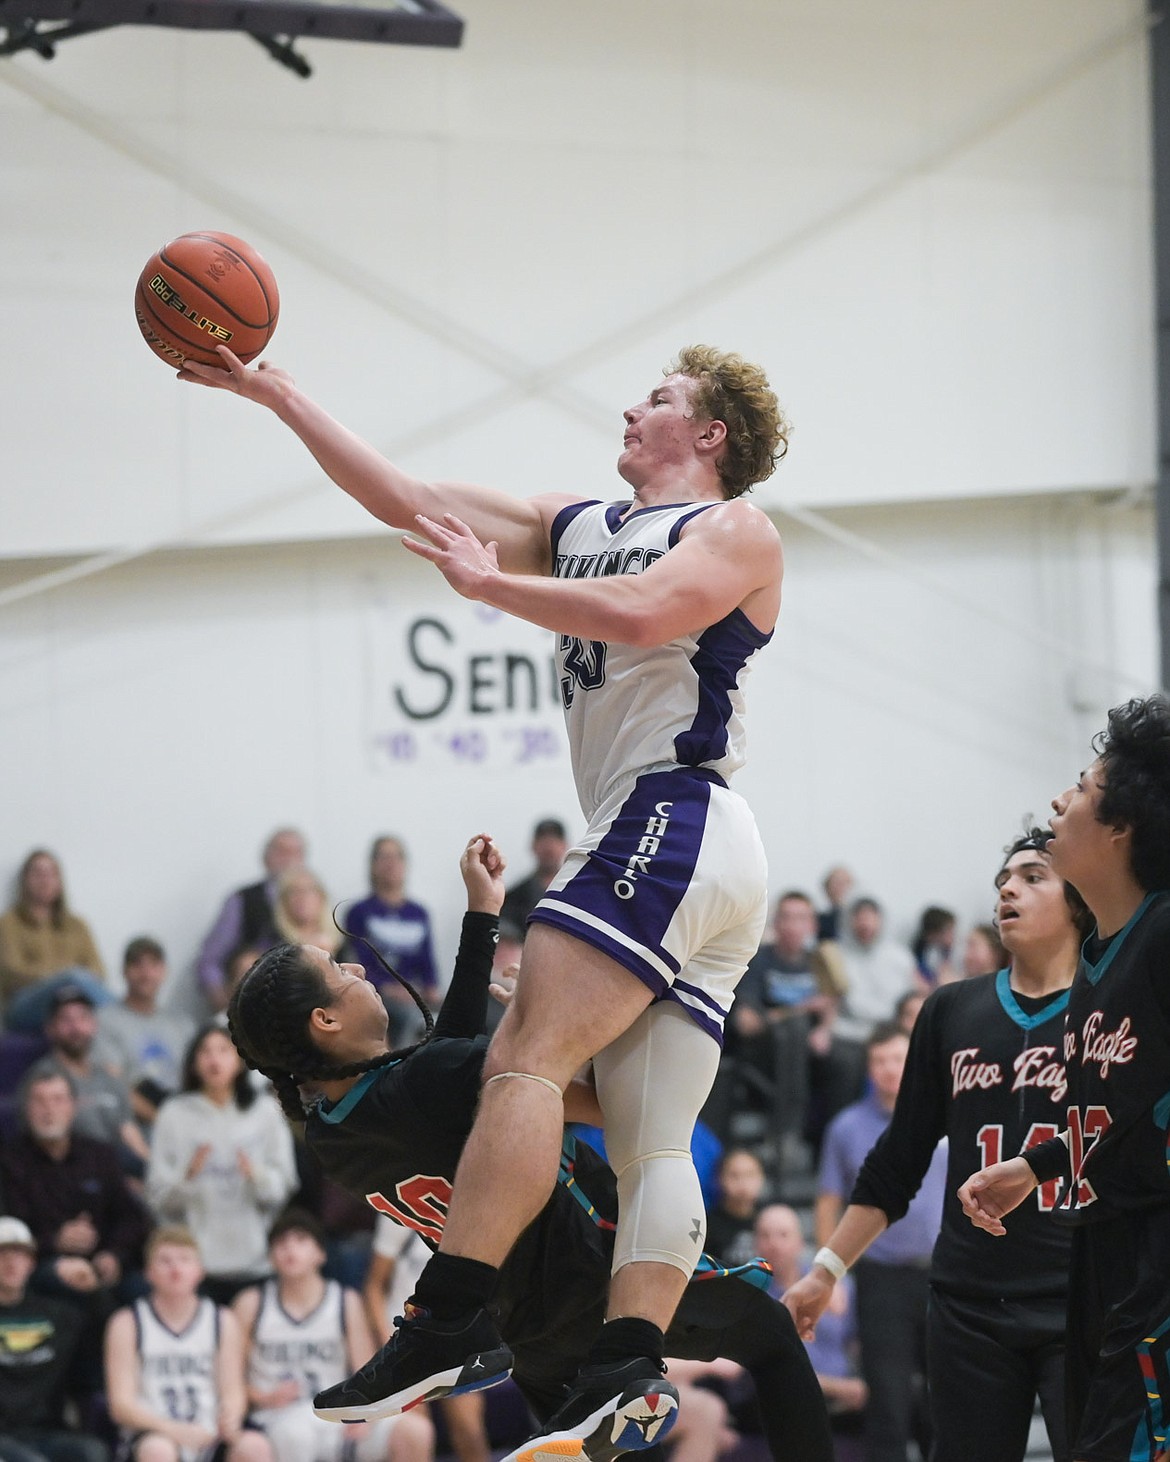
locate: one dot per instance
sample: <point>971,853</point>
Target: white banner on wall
<point>458,684</point>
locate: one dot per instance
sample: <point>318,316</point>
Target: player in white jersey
<point>650,881</point>
<point>664,897</point>
<point>174,1366</point>
<point>302,1333</point>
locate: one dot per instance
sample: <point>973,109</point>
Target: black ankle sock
<point>621,1339</point>
<point>451,1285</point>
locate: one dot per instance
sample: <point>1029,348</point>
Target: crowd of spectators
<point>142,1164</point>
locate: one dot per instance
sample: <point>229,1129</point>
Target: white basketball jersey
<point>629,707</point>
<point>178,1368</point>
<point>309,1351</point>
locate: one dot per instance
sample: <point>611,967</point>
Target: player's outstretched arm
<point>395,497</point>
<point>809,1297</point>
<point>990,1193</point>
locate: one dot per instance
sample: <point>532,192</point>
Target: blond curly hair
<point>732,390</point>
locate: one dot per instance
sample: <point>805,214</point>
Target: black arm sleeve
<point>1049,1160</point>
<point>896,1165</point>
<point>464,1010</point>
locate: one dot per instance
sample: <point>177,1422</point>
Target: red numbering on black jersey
<point>990,1140</point>
<point>419,1203</point>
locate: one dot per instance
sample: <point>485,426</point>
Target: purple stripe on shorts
<point>639,873</point>
<point>714,1028</point>
<point>547,912</point>
<point>696,994</point>
<point>635,879</point>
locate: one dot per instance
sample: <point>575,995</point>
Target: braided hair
<point>268,1018</point>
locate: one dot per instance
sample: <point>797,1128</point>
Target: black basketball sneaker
<point>422,1361</point>
<point>610,1409</point>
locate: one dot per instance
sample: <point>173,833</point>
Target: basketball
<point>202,290</point>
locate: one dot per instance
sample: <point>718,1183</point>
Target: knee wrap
<point>661,1218</point>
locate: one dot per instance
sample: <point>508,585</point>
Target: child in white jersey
<point>174,1366</point>
<point>303,1332</point>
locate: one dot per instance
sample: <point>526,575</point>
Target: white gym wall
<point>929,219</point>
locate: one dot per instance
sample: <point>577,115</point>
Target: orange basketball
<point>203,290</point>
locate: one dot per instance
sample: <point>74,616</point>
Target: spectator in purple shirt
<point>245,920</point>
<point>891,1280</point>
<point>400,930</point>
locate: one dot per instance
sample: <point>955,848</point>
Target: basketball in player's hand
<point>202,290</point>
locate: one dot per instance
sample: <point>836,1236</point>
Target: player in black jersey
<point>1111,837</point>
<point>985,1071</point>
<point>390,1127</point>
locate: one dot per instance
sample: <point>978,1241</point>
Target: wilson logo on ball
<point>167,293</point>
<point>156,342</point>
<point>221,264</point>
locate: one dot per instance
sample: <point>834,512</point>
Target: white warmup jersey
<point>310,1352</point>
<point>178,1369</point>
<point>629,707</point>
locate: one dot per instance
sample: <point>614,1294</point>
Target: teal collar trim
<point>1096,972</point>
<point>340,1110</point>
<point>1015,1011</point>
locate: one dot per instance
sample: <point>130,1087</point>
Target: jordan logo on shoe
<point>644,1423</point>
<point>475,1364</point>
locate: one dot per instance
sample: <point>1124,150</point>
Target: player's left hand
<point>807,1300</point>
<point>468,565</point>
<point>482,866</point>
<point>265,383</point>
<point>503,985</point>
<point>993,1191</point>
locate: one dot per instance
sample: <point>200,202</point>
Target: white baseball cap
<point>15,1234</point>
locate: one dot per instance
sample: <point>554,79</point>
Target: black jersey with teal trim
<point>396,1137</point>
<point>987,1075</point>
<point>395,1140</point>
<point>1117,1053</point>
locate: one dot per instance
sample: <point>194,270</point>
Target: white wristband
<point>836,1266</point>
